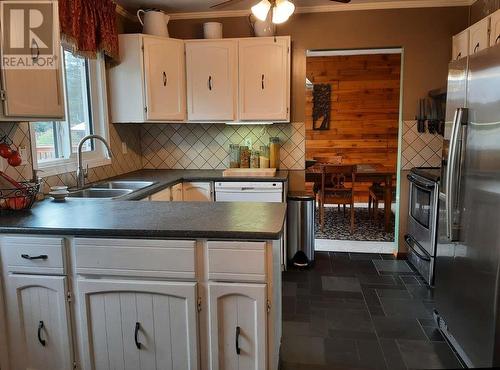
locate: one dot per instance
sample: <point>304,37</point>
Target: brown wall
<point>425,34</point>
<point>483,8</point>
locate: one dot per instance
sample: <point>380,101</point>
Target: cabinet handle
<point>262,82</point>
<point>210,83</point>
<point>238,331</point>
<point>40,257</point>
<point>498,39</point>
<point>459,55</point>
<point>477,47</point>
<point>39,333</point>
<point>136,334</point>
<point>164,79</point>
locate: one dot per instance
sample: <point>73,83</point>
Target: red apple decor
<point>12,155</point>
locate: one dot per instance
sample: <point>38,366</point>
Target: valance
<point>89,27</point>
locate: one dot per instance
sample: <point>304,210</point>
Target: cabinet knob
<point>39,333</point>
<point>476,48</point>
<point>459,55</point>
<point>136,335</point>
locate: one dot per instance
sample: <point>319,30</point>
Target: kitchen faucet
<point>81,173</point>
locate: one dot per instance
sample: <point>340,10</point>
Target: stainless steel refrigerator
<point>468,253</point>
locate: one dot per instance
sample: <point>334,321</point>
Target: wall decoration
<point>321,106</point>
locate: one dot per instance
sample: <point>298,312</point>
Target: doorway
<point>353,116</point>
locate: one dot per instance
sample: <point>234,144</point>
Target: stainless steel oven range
<point>421,238</point>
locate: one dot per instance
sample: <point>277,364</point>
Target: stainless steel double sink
<point>110,189</point>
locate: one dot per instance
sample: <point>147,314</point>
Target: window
<point>56,142</point>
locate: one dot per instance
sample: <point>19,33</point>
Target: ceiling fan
<point>281,9</point>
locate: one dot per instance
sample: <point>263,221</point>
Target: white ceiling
<point>198,6</point>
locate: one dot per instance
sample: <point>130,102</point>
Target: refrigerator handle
<point>456,153</point>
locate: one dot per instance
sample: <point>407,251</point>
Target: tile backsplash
<point>122,163</point>
<point>420,149</point>
<point>189,146</point>
<point>206,146</point>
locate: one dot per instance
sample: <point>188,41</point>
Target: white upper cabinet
<point>460,45</point>
<point>264,79</point>
<point>33,94</point>
<point>495,29</point>
<point>164,68</point>
<point>40,337</point>
<point>149,83</point>
<point>212,77</point>
<point>129,324</point>
<point>238,325</point>
<point>479,36</point>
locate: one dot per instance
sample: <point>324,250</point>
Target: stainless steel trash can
<point>300,229</point>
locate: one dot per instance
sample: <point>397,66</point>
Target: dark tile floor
<point>360,311</point>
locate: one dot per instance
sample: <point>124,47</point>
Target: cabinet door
<point>264,78</point>
<point>177,195</point>
<point>133,325</point>
<point>164,78</point>
<point>197,192</point>
<point>479,36</point>
<point>162,196</point>
<point>238,323</point>
<point>34,93</point>
<point>495,29</point>
<point>38,316</point>
<point>461,45</point>
<point>212,80</point>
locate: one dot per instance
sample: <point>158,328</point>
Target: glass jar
<point>244,157</point>
<point>264,157</point>
<point>254,159</point>
<point>234,156</point>
<point>274,152</point>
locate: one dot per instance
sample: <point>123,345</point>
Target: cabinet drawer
<point>237,261</point>
<point>34,255</point>
<point>135,257</point>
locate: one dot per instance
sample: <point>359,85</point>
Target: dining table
<point>374,173</point>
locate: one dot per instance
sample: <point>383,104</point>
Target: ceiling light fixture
<point>282,10</point>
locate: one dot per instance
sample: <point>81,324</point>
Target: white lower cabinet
<point>128,324</point>
<point>39,325</point>
<point>237,326</point>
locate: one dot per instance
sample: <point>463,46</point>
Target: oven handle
<point>413,244</point>
<point>426,185</point>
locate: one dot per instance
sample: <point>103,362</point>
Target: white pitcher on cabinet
<point>154,23</point>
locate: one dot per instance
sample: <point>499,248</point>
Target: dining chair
<point>334,191</point>
<point>376,193</point>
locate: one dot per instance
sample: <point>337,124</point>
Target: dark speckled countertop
<point>130,219</point>
<point>166,178</point>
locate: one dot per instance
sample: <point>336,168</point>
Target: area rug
<point>337,226</point>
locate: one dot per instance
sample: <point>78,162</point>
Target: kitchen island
<point>154,285</point>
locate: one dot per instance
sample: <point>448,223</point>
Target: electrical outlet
<point>23,152</point>
<point>124,147</point>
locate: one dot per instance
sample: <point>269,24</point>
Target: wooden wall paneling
<point>364,114</point>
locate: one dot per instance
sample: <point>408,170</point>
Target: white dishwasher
<point>228,191</point>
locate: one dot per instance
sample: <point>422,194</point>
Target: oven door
<point>423,212</point>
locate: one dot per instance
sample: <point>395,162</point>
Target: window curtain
<point>88,27</point>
